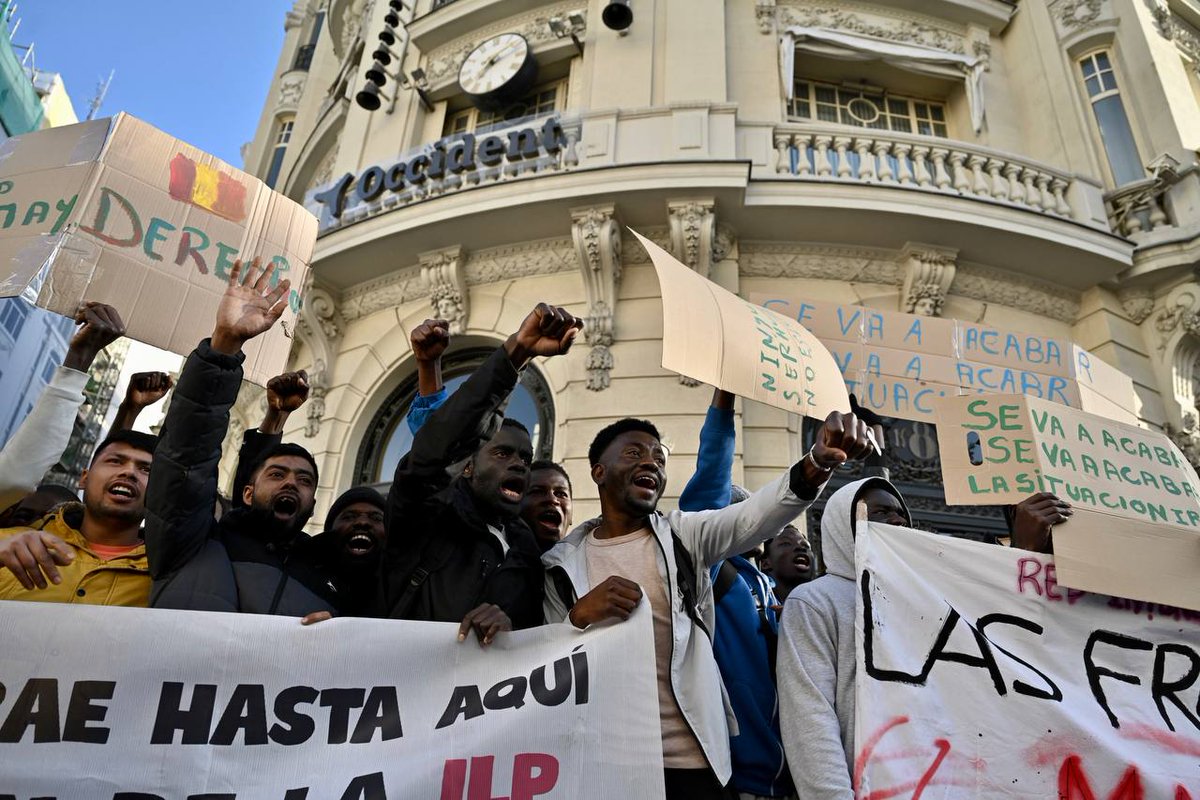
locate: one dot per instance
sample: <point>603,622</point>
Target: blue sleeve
<point>709,487</point>
<point>422,407</point>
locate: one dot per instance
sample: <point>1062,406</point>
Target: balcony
<point>923,163</point>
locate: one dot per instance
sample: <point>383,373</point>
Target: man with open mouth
<point>256,559</point>
<point>91,552</point>
<point>352,546</point>
<point>457,549</point>
<point>546,507</point>
<point>601,570</point>
<point>788,559</point>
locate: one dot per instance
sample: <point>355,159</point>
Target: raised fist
<point>430,339</point>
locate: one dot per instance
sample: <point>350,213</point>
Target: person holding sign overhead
<point>602,569</point>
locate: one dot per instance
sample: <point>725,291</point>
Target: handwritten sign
<point>253,706</point>
<point>116,211</point>
<point>979,676</point>
<point>899,365</point>
<point>1136,527</point>
<point>716,337</point>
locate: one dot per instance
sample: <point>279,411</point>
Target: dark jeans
<point>695,784</point>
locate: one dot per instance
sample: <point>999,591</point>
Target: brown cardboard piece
<point>714,336</point>
<point>899,364</point>
<point>1136,527</point>
<point>116,211</point>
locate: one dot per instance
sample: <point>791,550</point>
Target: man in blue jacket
<point>746,626</point>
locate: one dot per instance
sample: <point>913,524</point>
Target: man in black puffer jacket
<point>456,549</point>
<point>257,559</point>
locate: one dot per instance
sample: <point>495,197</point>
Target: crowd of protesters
<point>754,644</point>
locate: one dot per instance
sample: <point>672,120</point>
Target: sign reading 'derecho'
<point>714,336</point>
<point>116,211</point>
<point>898,364</point>
<point>1135,530</point>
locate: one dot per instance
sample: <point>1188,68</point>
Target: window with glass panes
<point>1115,131</point>
<point>542,100</point>
<point>13,313</point>
<point>864,108</point>
<point>283,135</point>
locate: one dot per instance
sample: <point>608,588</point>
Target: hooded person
<point>816,662</point>
<point>352,545</point>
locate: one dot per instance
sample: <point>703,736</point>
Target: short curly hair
<point>609,434</point>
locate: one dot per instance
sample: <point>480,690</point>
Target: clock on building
<point>498,72</point>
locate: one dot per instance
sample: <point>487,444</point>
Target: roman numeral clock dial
<point>498,72</point>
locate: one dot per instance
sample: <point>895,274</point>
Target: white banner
<point>979,676</point>
<point>138,704</point>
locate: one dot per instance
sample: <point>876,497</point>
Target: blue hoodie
<point>741,646</point>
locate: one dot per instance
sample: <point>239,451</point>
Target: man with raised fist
<point>457,551</point>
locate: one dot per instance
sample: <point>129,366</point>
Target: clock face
<point>493,64</point>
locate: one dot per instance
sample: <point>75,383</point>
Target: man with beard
<point>91,553</point>
<point>256,559</point>
<point>788,559</point>
<point>546,506</point>
<point>457,551</point>
<point>352,548</point>
<point>601,569</point>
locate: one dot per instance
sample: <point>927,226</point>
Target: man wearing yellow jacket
<point>91,552</point>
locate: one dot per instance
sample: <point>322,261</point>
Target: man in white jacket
<point>44,434</point>
<point>601,569</point>
<point>815,668</point>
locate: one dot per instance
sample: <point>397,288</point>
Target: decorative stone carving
<point>764,12</point>
<point>1186,438</point>
<point>446,282</point>
<point>1138,303</point>
<point>323,174</point>
<point>388,291</point>
<point>990,285</point>
<point>1073,16</point>
<point>875,22</point>
<point>1162,17</point>
<point>693,231</point>
<point>353,18</point>
<point>444,61</point>
<point>318,385</point>
<point>296,16</point>
<point>507,262</point>
<point>779,260</point>
<point>597,238</point>
<point>291,88</point>
<point>320,325</point>
<point>928,273</point>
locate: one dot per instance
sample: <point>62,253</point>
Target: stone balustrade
<point>811,151</point>
<point>1137,207</point>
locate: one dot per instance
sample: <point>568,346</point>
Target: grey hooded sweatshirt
<point>816,658</point>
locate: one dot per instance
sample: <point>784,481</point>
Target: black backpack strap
<point>685,574</point>
<point>433,558</point>
<point>726,575</point>
<point>562,585</point>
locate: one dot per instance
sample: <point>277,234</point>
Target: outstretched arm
<point>712,482</point>
<point>429,341</point>
<point>183,480</point>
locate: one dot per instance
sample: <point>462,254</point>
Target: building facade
<point>1029,165</point>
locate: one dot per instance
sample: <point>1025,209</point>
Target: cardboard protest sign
<point>899,364</point>
<point>116,211</point>
<point>978,676</point>
<point>716,337</point>
<point>254,706</point>
<point>1136,527</point>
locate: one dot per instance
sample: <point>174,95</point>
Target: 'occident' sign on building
<point>466,155</point>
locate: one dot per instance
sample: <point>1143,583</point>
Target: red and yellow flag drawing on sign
<point>204,186</point>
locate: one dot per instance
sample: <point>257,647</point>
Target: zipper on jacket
<point>671,664</point>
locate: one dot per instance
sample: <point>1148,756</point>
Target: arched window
<point>388,437</point>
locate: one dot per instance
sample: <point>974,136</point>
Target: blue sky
<point>198,70</point>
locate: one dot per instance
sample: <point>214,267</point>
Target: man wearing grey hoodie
<point>816,660</point>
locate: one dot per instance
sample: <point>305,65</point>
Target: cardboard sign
<point>979,676</point>
<point>716,337</point>
<point>116,211</point>
<point>1136,527</point>
<point>899,364</point>
<point>251,706</point>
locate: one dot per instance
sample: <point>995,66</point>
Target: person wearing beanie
<point>352,542</point>
<point>257,558</point>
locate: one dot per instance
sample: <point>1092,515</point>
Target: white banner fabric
<point>142,704</point>
<point>979,676</point>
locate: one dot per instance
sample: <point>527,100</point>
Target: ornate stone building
<point>1030,165</point>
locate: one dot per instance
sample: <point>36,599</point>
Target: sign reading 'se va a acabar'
<point>466,155</point>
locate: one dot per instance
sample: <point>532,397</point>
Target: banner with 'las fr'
<point>980,676</point>
<point>138,704</point>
